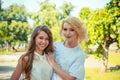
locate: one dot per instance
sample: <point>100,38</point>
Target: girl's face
<point>42,41</point>
<point>69,32</point>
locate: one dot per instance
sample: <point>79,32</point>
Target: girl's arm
<point>19,69</point>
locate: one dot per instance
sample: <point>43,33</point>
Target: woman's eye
<point>72,29</point>
<point>68,29</point>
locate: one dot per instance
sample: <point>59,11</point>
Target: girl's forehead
<point>42,33</point>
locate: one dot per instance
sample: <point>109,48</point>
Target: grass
<point>114,58</point>
<point>4,52</point>
<point>94,74</point>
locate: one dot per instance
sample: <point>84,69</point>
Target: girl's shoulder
<point>24,58</point>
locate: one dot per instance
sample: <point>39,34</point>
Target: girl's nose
<point>43,40</point>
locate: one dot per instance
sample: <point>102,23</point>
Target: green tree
<point>14,26</point>
<point>49,15</point>
<point>0,5</point>
<point>66,9</point>
<point>103,28</point>
<point>84,14</point>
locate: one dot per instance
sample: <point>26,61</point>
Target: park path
<point>9,62</point>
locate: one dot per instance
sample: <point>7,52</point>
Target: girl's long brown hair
<point>31,48</point>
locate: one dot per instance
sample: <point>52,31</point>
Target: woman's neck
<point>70,44</point>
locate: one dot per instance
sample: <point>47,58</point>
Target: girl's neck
<point>70,44</point>
<point>40,52</point>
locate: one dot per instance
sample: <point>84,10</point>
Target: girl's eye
<point>40,37</point>
<point>43,38</point>
<point>47,39</point>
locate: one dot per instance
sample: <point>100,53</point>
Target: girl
<point>33,64</point>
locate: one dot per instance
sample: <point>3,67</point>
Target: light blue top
<point>70,60</point>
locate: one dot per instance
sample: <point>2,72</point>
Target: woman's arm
<point>64,75</point>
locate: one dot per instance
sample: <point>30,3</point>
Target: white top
<point>41,69</point>
<point>70,60</point>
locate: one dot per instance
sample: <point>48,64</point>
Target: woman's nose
<point>67,32</point>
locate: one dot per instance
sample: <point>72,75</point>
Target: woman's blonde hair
<point>77,25</point>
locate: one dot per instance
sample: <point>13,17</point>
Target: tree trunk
<point>7,46</point>
<point>104,59</point>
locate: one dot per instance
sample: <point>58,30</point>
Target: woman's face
<point>42,41</point>
<point>69,32</point>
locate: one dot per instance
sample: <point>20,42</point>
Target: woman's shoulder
<point>81,51</point>
<point>58,43</point>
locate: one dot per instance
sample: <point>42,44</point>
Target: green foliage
<point>113,10</point>
<point>84,46</point>
<point>84,14</point>
<point>67,8</point>
<point>47,15</point>
<point>103,28</point>
<point>55,33</point>
<point>14,12</point>
<point>103,25</point>
<point>13,25</point>
<point>3,25</point>
<point>19,30</point>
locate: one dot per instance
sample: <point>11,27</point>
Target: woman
<point>33,64</point>
<point>69,57</point>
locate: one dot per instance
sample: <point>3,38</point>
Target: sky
<point>33,5</point>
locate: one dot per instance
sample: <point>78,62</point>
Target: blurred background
<point>101,18</point>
